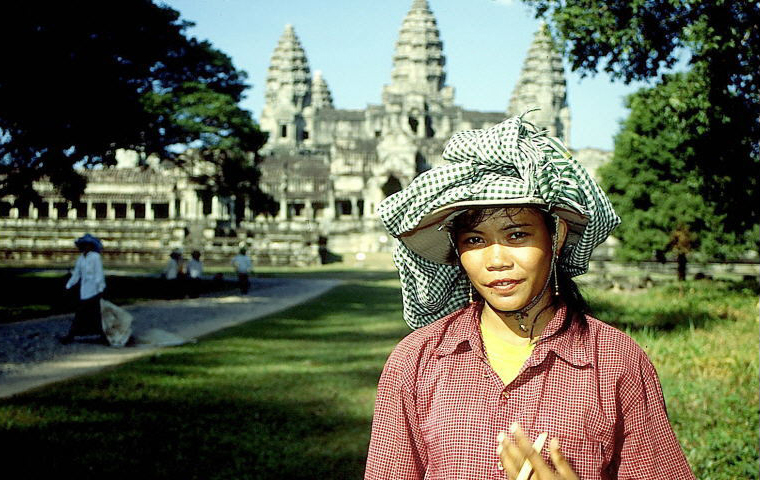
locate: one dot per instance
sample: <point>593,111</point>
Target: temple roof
<point>346,115</point>
<point>475,116</point>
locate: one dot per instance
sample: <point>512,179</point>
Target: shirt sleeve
<point>396,450</point>
<point>76,274</point>
<point>649,449</point>
<point>100,278</point>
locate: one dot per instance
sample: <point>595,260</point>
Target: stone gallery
<point>327,168</point>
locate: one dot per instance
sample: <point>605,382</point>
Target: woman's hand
<point>514,454</point>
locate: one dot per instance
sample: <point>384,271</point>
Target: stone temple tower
<point>542,84</point>
<point>288,92</point>
<point>418,62</point>
<point>320,93</point>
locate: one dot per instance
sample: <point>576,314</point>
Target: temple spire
<point>289,78</point>
<point>418,62</point>
<point>320,92</point>
<point>542,84</point>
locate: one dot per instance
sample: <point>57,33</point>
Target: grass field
<point>291,396</point>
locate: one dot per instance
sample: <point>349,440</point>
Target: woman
<point>488,246</point>
<point>88,273</point>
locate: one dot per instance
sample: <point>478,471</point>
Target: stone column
<point>130,211</point>
<point>172,210</point>
<point>308,209</point>
<point>72,213</point>
<point>13,213</point>
<point>354,207</point>
<point>148,209</point>
<point>282,213</point>
<point>110,212</point>
<point>90,211</point>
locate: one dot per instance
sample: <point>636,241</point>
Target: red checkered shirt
<point>440,405</point>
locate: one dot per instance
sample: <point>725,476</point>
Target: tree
<point>652,187</point>
<point>638,39</point>
<point>81,80</point>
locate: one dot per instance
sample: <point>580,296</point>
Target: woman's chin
<point>505,305</point>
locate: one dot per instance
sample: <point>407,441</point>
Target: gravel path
<point>31,355</point>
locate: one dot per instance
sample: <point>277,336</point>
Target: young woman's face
<point>507,257</point>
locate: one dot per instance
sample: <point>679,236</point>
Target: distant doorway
<point>392,186</point>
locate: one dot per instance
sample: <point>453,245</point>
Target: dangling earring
<point>470,294</point>
<point>556,280</point>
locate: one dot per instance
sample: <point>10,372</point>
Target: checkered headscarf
<point>511,160</point>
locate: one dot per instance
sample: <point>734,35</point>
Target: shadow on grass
<point>290,396</point>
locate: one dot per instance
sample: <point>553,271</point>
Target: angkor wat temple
<point>326,167</point>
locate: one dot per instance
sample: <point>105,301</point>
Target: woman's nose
<point>497,257</point>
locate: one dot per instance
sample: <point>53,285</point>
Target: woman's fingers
<point>532,453</point>
<point>564,471</point>
<point>510,456</point>
<point>519,458</point>
<point>541,469</point>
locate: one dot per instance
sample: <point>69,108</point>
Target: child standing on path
<point>194,272</point>
<point>242,263</point>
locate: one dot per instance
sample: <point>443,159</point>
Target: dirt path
<point>31,356</point>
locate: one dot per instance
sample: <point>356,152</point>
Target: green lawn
<point>291,396</point>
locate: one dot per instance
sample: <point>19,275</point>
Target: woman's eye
<point>517,235</point>
<point>472,240</point>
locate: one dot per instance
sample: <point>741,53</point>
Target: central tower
<point>418,64</point>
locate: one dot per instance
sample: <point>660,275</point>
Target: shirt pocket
<point>586,441</point>
<point>586,456</point>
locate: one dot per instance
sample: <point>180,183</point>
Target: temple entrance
<point>392,186</point>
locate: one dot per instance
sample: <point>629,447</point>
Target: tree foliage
<point>83,79</point>
<point>652,186</point>
<point>638,39</point>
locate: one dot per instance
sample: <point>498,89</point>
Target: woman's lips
<point>503,285</point>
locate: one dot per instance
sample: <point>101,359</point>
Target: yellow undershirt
<point>505,358</point>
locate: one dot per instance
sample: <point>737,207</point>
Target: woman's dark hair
<point>569,294</point>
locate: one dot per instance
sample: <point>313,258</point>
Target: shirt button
<point>506,395</point>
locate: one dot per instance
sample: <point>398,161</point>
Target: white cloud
<point>507,3</point>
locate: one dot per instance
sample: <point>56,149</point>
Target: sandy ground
<point>32,357</point>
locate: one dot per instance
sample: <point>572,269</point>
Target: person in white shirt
<point>194,272</point>
<point>175,274</point>
<point>88,273</point>
<point>242,264</point>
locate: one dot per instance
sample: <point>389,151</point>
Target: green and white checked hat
<point>509,164</point>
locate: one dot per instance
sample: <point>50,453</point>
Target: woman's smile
<point>503,286</point>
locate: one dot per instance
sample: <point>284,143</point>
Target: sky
<point>352,42</point>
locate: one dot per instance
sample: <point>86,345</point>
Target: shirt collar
<point>465,328</point>
<point>568,345</point>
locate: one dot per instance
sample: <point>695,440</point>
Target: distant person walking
<point>88,273</point>
<point>194,272</point>
<point>242,263</point>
